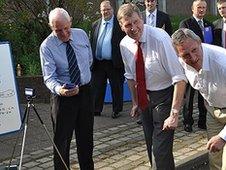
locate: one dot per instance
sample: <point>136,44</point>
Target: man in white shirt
<point>165,82</point>
<point>205,68</point>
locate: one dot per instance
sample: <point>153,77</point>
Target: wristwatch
<point>174,112</point>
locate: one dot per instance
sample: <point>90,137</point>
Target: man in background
<point>203,29</point>
<point>205,68</point>
<point>156,82</point>
<point>156,18</point>
<point>220,25</point>
<point>66,58</point>
<point>106,36</point>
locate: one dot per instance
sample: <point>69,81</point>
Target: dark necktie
<point>140,79</point>
<point>100,41</point>
<point>72,65</point>
<point>201,26</point>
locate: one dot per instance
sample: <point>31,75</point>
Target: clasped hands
<point>69,92</point>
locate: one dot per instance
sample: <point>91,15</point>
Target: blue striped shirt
<point>54,59</point>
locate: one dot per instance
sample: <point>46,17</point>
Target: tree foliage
<point>24,23</point>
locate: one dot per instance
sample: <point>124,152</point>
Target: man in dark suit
<point>152,16</point>
<point>106,36</point>
<point>220,25</point>
<point>200,27</point>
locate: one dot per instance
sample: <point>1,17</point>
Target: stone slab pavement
<point>118,144</point>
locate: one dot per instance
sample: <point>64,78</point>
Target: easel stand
<point>25,120</point>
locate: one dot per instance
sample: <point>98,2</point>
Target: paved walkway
<point>119,144</point>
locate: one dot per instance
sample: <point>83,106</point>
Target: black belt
<point>85,86</point>
<point>217,108</point>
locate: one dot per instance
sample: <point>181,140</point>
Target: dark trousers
<point>102,71</point>
<point>152,120</point>
<point>188,107</point>
<point>73,114</point>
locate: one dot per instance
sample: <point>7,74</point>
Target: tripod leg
<point>49,136</point>
<point>25,132</point>
<point>14,148</point>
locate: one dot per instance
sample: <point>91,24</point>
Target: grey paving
<point>119,144</point>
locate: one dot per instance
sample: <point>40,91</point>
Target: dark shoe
<point>115,115</point>
<point>202,126</point>
<point>188,128</point>
<point>97,114</point>
<point>139,122</point>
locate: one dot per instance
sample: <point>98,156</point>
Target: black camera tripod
<point>25,122</point>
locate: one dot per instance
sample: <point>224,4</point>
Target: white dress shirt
<point>224,34</point>
<point>151,18</point>
<point>211,79</point>
<point>162,68</point>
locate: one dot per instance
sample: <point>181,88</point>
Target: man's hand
<point>135,111</point>
<point>69,92</point>
<point>171,122</point>
<point>215,144</point>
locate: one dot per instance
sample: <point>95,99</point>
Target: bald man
<point>66,58</point>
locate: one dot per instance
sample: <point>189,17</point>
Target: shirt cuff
<point>178,78</point>
<point>222,133</point>
<point>57,90</point>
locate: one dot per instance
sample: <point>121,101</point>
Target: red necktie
<point>140,79</point>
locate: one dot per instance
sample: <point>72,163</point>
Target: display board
<point>10,117</point>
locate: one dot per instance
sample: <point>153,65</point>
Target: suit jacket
<point>162,21</point>
<point>217,31</point>
<point>117,36</point>
<point>193,25</point>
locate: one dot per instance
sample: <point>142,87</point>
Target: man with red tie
<point>156,81</point>
<point>220,25</point>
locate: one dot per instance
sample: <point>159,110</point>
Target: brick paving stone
<point>142,167</point>
<point>118,157</point>
<point>101,146</point>
<point>47,164</point>
<point>97,142</point>
<point>30,164</point>
<point>105,139</point>
<point>129,152</point>
<point>100,164</point>
<point>109,160</point>
<point>43,160</point>
<point>121,163</point>
<point>113,142</point>
<point>107,168</point>
<point>134,157</point>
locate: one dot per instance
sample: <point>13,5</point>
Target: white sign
<point>10,119</point>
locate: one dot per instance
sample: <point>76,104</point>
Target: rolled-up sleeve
<point>222,133</point>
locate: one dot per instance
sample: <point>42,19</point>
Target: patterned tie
<point>151,19</point>
<point>140,79</point>
<point>72,65</point>
<point>201,26</point>
<point>100,42</point>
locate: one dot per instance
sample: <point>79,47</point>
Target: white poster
<point>10,119</point>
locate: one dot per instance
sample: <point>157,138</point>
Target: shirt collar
<point>103,22</point>
<point>151,13</point>
<point>197,19</point>
<point>59,42</point>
